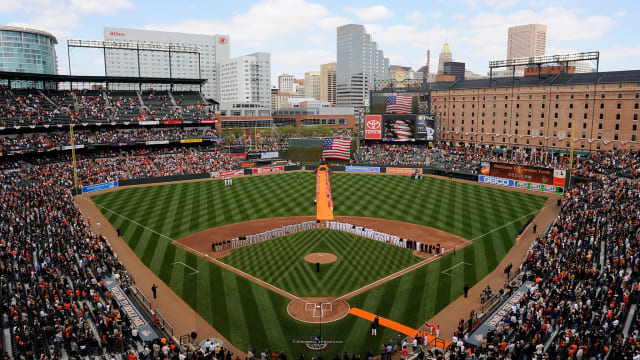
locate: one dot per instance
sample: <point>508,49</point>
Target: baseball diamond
<point>246,313</point>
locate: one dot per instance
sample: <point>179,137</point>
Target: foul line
<point>135,222</point>
<point>510,222</point>
<point>195,271</point>
<point>446,271</point>
<point>215,261</point>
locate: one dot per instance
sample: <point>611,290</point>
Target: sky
<point>301,34</point>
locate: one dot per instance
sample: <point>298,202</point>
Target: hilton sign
<point>115,33</point>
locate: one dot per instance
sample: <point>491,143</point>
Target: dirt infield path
<point>181,316</point>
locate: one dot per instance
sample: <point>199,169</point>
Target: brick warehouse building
<point>540,112</point>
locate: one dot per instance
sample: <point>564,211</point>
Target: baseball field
<point>152,218</point>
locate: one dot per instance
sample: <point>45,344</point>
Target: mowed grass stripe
<point>439,203</point>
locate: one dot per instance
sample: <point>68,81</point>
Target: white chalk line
<point>194,271</point>
<point>446,271</point>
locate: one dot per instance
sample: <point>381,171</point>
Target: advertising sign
<point>97,187</point>
<point>526,185</point>
<point>238,156</point>
<point>403,171</point>
<point>269,155</point>
<point>425,127</point>
<point>172,122</point>
<point>268,170</point>
<point>368,169</point>
<point>496,181</point>
<point>190,141</point>
<point>227,173</point>
<point>157,142</point>
<point>523,173</point>
<point>68,147</point>
<point>373,127</point>
<point>148,122</point>
<point>209,121</point>
<point>145,331</point>
<point>559,177</point>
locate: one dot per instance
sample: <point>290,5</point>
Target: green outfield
<point>151,218</point>
<point>289,271</point>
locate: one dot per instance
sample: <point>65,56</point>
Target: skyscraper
<point>445,56</point>
<point>213,50</point>
<point>246,80</point>
<point>328,83</point>
<point>359,64</point>
<point>526,41</point>
<point>285,83</point>
<point>312,85</point>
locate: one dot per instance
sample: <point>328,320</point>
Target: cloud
<point>372,13</point>
<point>299,62</point>
<point>101,6</point>
<point>265,21</point>
<point>48,19</point>
<point>26,6</point>
<point>416,17</point>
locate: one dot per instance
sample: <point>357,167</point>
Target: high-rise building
<point>298,88</point>
<point>245,83</point>
<point>526,41</point>
<point>312,85</point>
<point>27,50</point>
<point>213,50</point>
<point>454,68</point>
<point>328,83</point>
<point>359,64</point>
<point>445,56</point>
<point>285,83</point>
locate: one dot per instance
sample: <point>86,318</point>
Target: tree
<point>287,131</point>
<point>237,132</point>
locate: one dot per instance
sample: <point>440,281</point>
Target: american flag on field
<point>336,148</point>
<point>399,103</point>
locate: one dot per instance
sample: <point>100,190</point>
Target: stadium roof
<point>29,30</point>
<point>557,79</point>
<point>5,75</point>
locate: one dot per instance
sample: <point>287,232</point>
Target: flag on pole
<point>336,148</point>
<point>399,103</point>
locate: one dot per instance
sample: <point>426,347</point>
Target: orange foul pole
<point>324,201</point>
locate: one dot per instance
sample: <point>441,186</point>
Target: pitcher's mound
<point>322,258</point>
<point>316,310</point>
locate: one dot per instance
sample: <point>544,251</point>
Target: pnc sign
<point>373,127</point>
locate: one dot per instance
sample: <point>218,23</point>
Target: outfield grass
<point>363,259</point>
<point>250,315</point>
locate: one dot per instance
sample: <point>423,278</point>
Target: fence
<point>164,323</point>
<point>142,297</point>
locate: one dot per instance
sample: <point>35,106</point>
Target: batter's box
<point>317,312</point>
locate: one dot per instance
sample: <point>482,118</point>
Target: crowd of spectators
<point>33,107</point>
<point>50,140</point>
<point>392,154</point>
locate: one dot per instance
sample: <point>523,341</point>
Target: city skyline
<point>301,35</point>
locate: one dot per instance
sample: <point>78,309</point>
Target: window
<point>633,137</point>
<point>555,124</point>
<point>586,96</point>
<point>571,106</point>
<point>601,105</point>
<point>620,95</point>
<point>570,115</point>
<point>541,124</point>
<point>601,116</point>
<point>555,115</point>
<point>635,116</point>
<point>617,127</point>
<point>586,106</point>
<point>635,106</point>
<point>617,116</point>
<point>602,96</point>
<point>584,125</point>
<point>615,137</point>
<point>557,96</point>
<point>569,126</point>
<point>572,96</point>
<point>585,116</point>
<point>618,106</point>
<point>542,106</point>
<point>635,127</point>
<point>600,126</point>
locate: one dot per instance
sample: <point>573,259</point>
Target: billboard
<point>373,127</point>
<point>408,127</point>
<point>368,169</point>
<point>404,100</point>
<point>519,184</point>
<point>98,187</point>
<point>409,171</point>
<point>268,170</point>
<point>523,173</point>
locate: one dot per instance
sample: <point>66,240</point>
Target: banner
<point>269,155</point>
<point>239,156</point>
<point>373,127</point>
<point>209,121</point>
<point>368,169</point>
<point>172,122</point>
<point>148,122</point>
<point>247,164</point>
<point>157,142</point>
<point>97,187</point>
<point>525,185</point>
<point>190,141</point>
<point>425,127</point>
<point>403,171</point>
<point>268,170</point>
<point>68,147</point>
<point>227,173</point>
<point>559,177</point>
<point>145,331</point>
<point>522,172</point>
<point>485,168</point>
